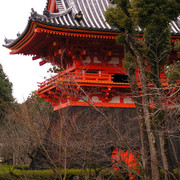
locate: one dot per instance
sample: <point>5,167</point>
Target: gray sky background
<point>21,70</point>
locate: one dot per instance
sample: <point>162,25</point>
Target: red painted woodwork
<point>52,6</point>
<point>124,160</point>
<point>88,63</point>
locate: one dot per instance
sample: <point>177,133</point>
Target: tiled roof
<point>93,16</point>
<point>175,26</point>
<point>92,11</point>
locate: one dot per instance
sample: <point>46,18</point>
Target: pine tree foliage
<point>6,98</point>
<point>153,17</point>
<point>38,107</point>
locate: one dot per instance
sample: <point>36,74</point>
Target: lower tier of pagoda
<point>66,90</point>
<point>87,89</point>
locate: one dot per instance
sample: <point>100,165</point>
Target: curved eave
<point>32,45</point>
<point>77,33</point>
<point>22,36</point>
<point>30,35</point>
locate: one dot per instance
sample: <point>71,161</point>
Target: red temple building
<point>74,36</point>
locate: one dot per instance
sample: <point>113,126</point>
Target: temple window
<point>120,78</point>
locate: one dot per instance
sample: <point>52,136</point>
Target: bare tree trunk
<point>145,152</point>
<point>164,155</point>
<point>152,143</point>
<point>146,108</point>
<point>175,156</point>
<point>162,118</point>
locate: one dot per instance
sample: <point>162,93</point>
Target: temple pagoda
<point>74,36</point>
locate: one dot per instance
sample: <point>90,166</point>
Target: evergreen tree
<point>152,17</point>
<point>6,98</point>
<point>38,107</point>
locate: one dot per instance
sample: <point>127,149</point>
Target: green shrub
<point>22,172</point>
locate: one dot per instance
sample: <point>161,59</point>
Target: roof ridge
<point>59,5</point>
<point>72,3</point>
<point>63,13</point>
<point>48,15</point>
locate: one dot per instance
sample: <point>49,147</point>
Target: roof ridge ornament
<point>33,13</point>
<point>8,41</point>
<point>46,12</point>
<point>78,16</point>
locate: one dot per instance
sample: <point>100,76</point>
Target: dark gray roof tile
<point>93,16</point>
<point>92,10</point>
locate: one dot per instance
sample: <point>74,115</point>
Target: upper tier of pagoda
<point>71,17</point>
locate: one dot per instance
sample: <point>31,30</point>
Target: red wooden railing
<point>78,77</point>
<point>84,77</point>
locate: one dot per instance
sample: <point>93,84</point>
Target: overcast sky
<point>21,70</point>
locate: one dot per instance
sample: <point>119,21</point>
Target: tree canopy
<point>6,97</point>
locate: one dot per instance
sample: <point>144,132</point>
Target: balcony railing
<point>79,77</point>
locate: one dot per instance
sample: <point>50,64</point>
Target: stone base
<point>80,136</point>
